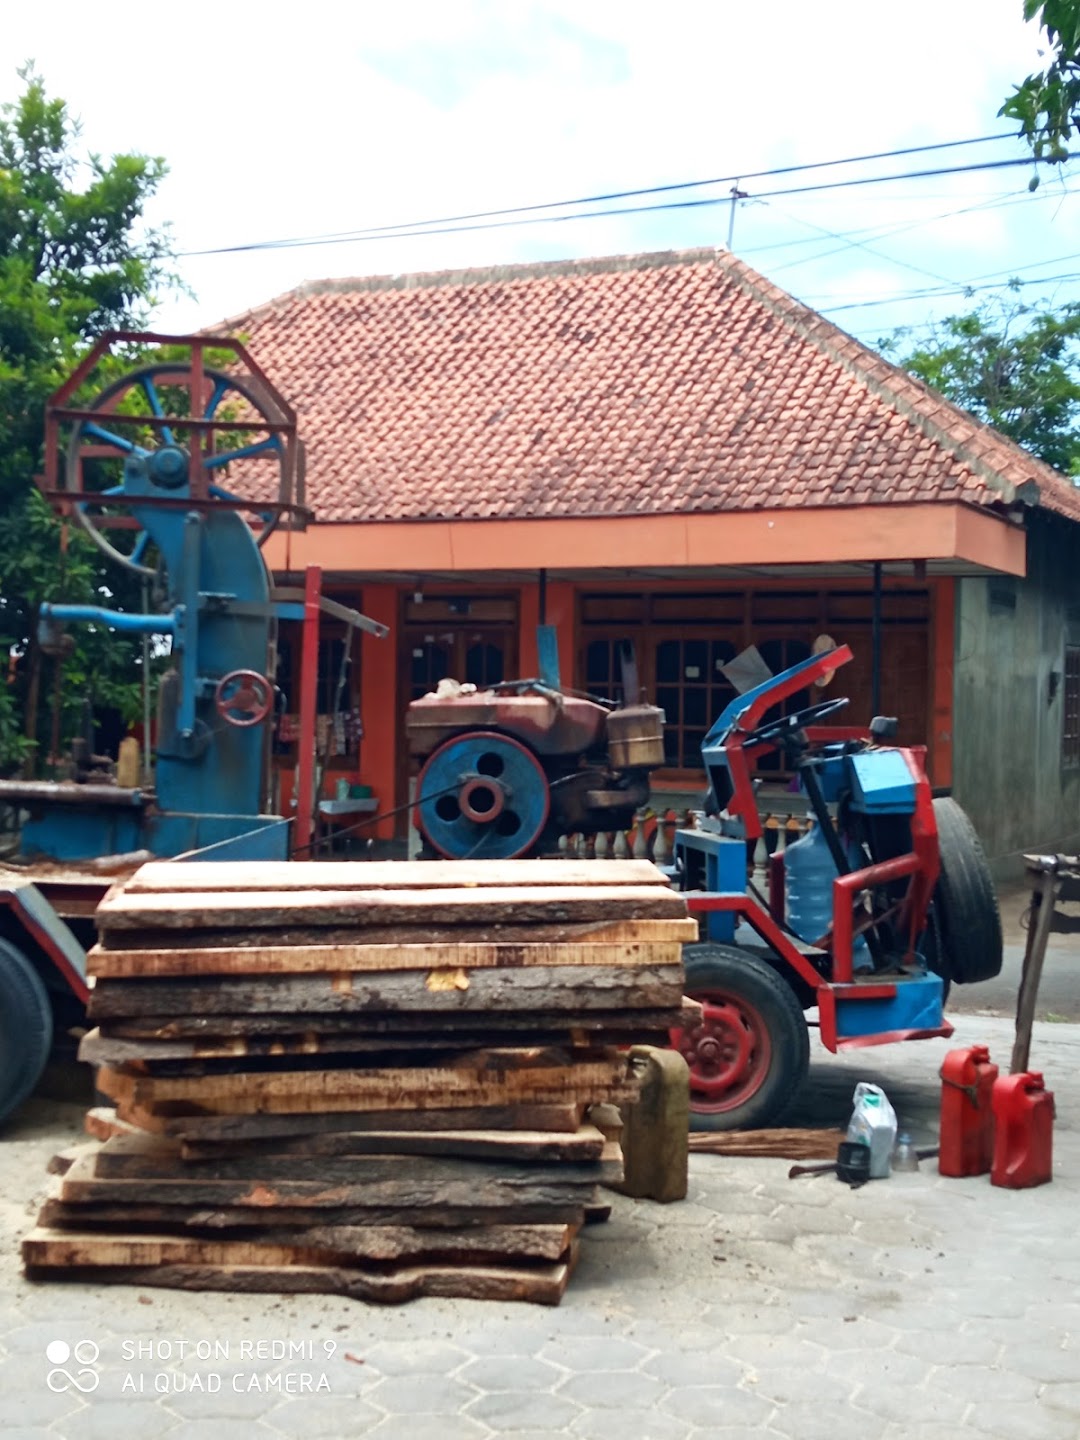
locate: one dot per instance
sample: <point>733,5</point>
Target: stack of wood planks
<point>362,1078</point>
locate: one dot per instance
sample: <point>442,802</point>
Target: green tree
<point>1010,366</point>
<point>76,259</point>
<point>1047,103</point>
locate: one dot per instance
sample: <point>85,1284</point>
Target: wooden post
<point>1047,883</point>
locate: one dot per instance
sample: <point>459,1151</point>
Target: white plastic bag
<point>873,1123</point>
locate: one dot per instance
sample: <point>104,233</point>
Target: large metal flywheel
<point>482,795</point>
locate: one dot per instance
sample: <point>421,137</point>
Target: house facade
<point>667,458</point>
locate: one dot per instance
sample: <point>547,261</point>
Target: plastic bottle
<point>905,1158</point>
<point>873,1121</point>
<point>809,872</point>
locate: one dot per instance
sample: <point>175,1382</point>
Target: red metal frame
<point>743,802</point>
<point>10,899</point>
<point>307,738</point>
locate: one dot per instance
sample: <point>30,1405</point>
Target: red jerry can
<point>967,1117</point>
<point>1024,1111</point>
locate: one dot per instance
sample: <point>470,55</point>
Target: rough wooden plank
<point>131,1214</point>
<point>328,933</point>
<point>411,1198</point>
<point>375,959</point>
<point>573,989</point>
<point>209,1052</point>
<point>295,1091</point>
<point>207,1034</point>
<point>102,1123</point>
<point>390,1174</point>
<point>493,905</point>
<point>222,875</point>
<point>542,1284</point>
<point>786,1144</point>
<point>586,1143</point>
<point>50,1246</point>
<point>555,1119</point>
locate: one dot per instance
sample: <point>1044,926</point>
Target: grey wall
<point>1010,636</point>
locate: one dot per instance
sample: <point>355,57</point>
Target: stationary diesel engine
<point>506,771</point>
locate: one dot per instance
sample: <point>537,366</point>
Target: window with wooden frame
<point>682,639</point>
<point>337,692</point>
<point>1070,732</point>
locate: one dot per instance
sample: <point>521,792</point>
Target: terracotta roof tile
<point>651,384</point>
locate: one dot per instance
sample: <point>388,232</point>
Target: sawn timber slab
<point>221,875</point>
<point>146,1158</point>
<point>136,1214</point>
<point>568,989</point>
<point>298,1091</point>
<point>500,1190</point>
<point>555,1119</point>
<point>541,1284</point>
<point>50,1246</point>
<point>458,906</point>
<point>585,1144</point>
<point>372,959</point>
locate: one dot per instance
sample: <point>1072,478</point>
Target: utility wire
<point>463,222</point>
<point>942,292</point>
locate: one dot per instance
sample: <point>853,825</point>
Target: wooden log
<point>300,1091</point>
<point>378,959</point>
<point>587,1143</point>
<point>541,1284</point>
<point>227,875</point>
<point>146,1158</point>
<point>141,1215</point>
<point>493,905</point>
<point>49,1245</point>
<point>567,989</point>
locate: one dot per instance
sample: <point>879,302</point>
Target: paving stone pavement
<point>916,1308</point>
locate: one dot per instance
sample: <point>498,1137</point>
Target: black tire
<point>26,1028</point>
<point>964,901</point>
<point>752,1052</point>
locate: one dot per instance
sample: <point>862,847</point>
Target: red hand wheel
<point>244,697</point>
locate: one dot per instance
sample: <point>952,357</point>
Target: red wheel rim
<point>728,1053</point>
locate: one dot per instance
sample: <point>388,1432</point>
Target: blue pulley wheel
<point>482,795</point>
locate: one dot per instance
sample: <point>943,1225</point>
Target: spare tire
<point>965,904</point>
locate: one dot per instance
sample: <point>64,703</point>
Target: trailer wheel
<point>26,1028</point>
<point>751,1050</point>
<point>964,901</point>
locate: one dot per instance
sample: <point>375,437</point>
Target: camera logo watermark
<point>85,1354</point>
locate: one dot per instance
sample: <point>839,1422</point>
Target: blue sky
<point>302,120</point>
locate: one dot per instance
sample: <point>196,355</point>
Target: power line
<point>943,292</point>
<point>463,222</point>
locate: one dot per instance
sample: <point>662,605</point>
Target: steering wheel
<point>788,724</point>
<point>243,698</point>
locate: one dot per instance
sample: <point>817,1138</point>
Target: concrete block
<point>655,1135</point>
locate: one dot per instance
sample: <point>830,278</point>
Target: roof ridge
<point>477,275</point>
<point>889,383</point>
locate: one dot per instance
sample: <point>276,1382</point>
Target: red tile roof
<point>648,384</point>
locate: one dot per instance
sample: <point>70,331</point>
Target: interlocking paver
<point>801,1311</point>
<point>524,1410</point>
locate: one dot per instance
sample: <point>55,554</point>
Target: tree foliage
<point>75,260</point>
<point>1047,103</point>
<point>1011,366</point>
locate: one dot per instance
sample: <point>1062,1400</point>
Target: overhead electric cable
<point>458,222</point>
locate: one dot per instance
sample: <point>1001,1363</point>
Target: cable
<point>457,223</point>
<point>943,293</point>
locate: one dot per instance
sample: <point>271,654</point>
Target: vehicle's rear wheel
<point>964,901</point>
<point>26,1028</point>
<point>751,1051</point>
